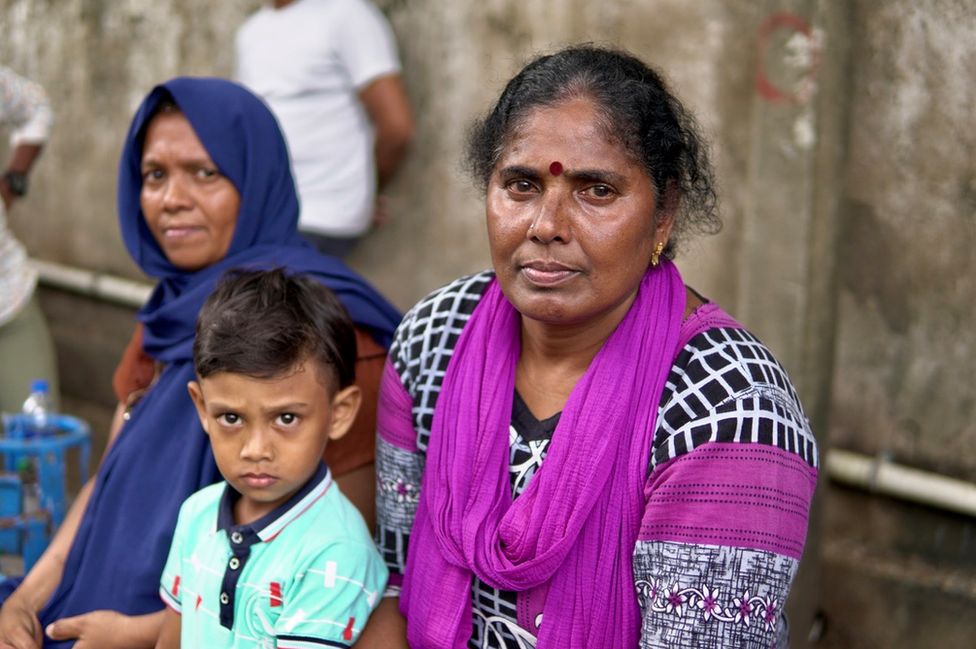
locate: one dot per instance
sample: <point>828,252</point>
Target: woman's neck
<point>554,357</point>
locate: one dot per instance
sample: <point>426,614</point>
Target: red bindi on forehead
<point>556,168</point>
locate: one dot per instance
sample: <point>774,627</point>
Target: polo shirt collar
<point>270,525</point>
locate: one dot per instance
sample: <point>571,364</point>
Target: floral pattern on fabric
<point>711,596</point>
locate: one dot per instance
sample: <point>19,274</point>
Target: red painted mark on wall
<point>764,86</point>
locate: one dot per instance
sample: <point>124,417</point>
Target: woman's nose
<point>550,223</point>
<point>176,195</point>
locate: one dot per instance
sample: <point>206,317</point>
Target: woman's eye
<point>520,186</point>
<point>152,175</point>
<point>229,419</point>
<point>206,173</point>
<point>601,191</point>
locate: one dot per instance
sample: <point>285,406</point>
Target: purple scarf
<point>575,525</point>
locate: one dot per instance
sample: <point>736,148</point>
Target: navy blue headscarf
<point>162,455</point>
<point>245,142</point>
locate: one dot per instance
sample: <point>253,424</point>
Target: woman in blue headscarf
<point>204,186</point>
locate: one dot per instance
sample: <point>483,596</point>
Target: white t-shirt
<point>309,60</point>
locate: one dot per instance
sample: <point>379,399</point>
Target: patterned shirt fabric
<point>305,575</point>
<point>730,478</point>
<point>495,611</point>
<point>24,107</point>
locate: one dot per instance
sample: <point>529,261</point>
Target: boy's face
<point>268,435</point>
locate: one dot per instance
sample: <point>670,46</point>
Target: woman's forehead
<point>171,137</point>
<point>572,132</point>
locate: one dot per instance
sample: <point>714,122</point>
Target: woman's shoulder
<point>456,298</point>
<point>726,385</point>
<point>723,359</point>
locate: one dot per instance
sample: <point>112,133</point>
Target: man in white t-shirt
<point>330,72</point>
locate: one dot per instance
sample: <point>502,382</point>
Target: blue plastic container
<point>28,533</point>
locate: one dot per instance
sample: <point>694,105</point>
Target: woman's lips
<point>179,233</point>
<point>258,480</point>
<point>547,274</point>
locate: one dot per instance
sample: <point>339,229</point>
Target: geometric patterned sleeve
<point>421,349</point>
<point>733,472</point>
<point>399,469</point>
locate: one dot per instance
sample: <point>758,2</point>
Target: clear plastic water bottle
<point>37,408</point>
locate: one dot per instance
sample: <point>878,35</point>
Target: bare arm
<point>359,486</point>
<point>105,629</point>
<point>386,628</point>
<point>108,630</point>
<point>169,635</point>
<point>21,161</point>
<point>386,103</point>
<point>23,157</point>
<point>19,625</point>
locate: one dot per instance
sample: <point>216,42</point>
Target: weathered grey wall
<point>906,335</point>
<point>849,203</point>
<point>97,59</point>
<point>897,575</point>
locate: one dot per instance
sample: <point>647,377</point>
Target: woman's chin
<point>190,259</point>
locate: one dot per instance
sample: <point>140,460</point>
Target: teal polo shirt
<point>306,575</point>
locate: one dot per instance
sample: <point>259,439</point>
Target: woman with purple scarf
<point>574,449</point>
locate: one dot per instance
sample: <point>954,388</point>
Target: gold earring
<point>656,255</point>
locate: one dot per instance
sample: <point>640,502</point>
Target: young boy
<point>275,556</point>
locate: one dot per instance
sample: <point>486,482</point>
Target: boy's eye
<point>287,418</point>
<point>229,418</point>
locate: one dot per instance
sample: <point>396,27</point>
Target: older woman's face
<point>570,245</point>
<point>190,207</point>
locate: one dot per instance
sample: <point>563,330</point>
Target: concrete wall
<point>906,335</point>
<point>842,134</point>
<point>898,575</point>
<point>98,58</point>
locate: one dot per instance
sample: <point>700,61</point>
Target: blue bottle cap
<point>39,385</point>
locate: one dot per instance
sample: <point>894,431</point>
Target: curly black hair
<point>641,114</point>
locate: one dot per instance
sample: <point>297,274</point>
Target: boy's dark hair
<point>261,323</point>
